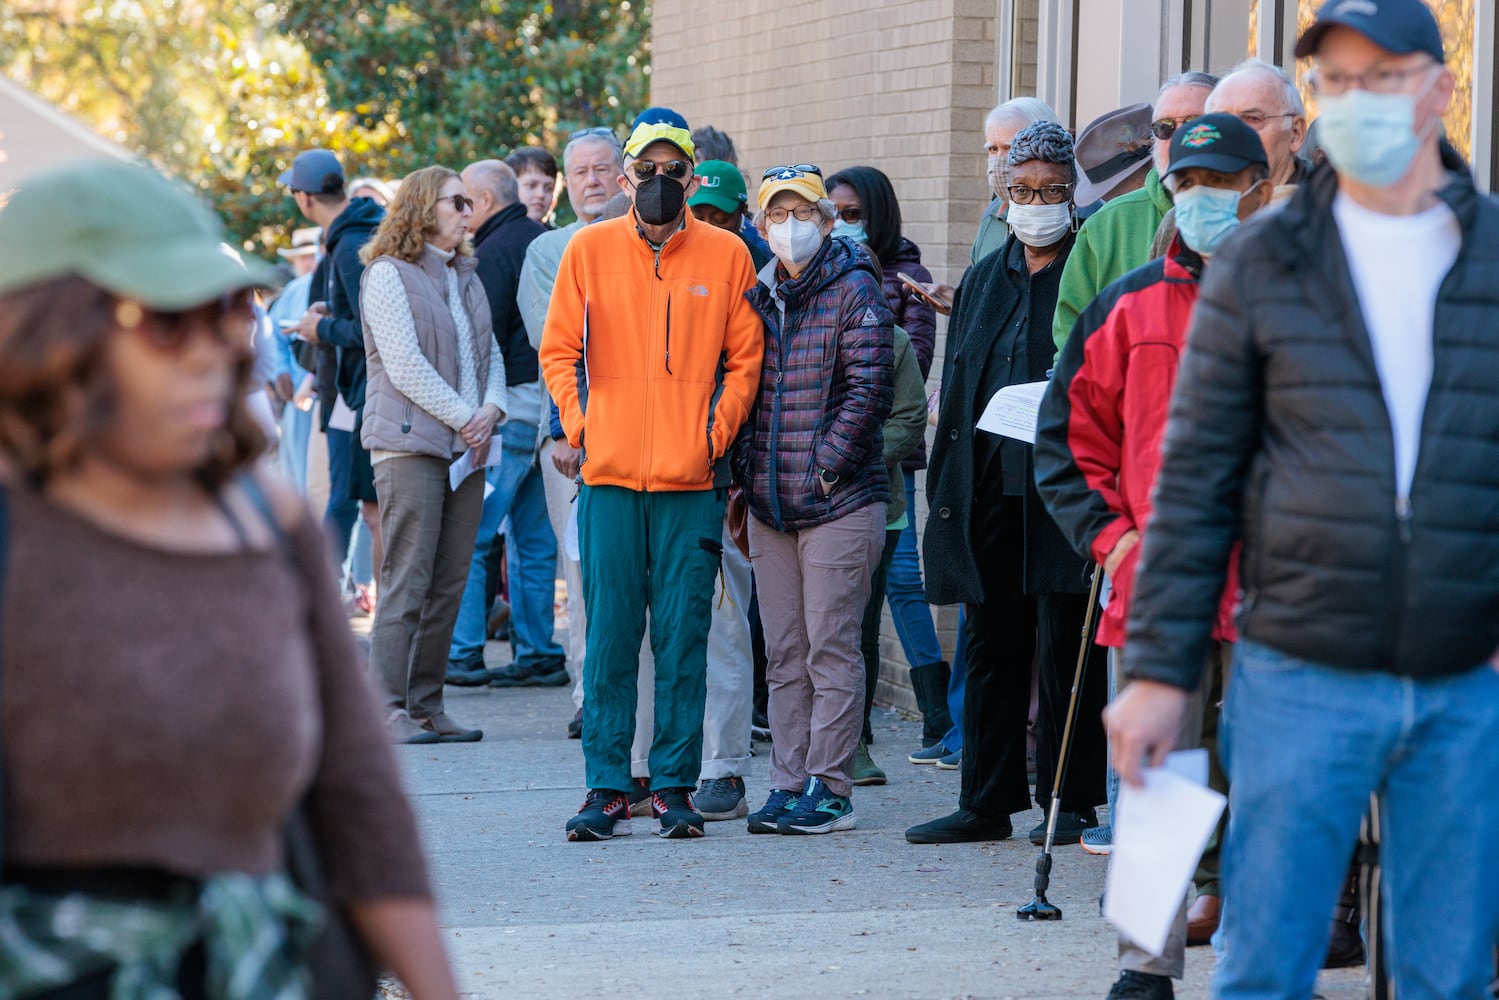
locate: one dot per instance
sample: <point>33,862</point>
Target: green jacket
<point>906,424</point>
<point>1112,243</point>
<point>993,231</point>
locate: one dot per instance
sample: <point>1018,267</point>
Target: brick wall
<point>902,85</point>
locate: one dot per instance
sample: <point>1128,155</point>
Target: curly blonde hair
<point>412,218</point>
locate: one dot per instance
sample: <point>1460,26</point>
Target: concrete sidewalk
<point>861,913</point>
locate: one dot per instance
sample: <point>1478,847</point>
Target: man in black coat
<point>502,232</point>
<point>1336,412</point>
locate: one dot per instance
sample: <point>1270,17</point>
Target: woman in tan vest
<point>436,389</point>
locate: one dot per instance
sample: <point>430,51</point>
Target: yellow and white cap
<point>802,178</point>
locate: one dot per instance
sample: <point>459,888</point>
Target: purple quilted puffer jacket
<point>825,390</point>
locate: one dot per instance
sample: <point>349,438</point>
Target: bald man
<point>501,234</point>
<point>1265,98</point>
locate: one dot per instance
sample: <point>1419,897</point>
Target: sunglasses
<point>851,215</point>
<point>677,170</point>
<point>461,202</point>
<point>229,318</point>
<point>791,172</point>
<point>1164,128</point>
<point>599,131</point>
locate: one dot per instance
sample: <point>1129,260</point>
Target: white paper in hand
<point>570,534</point>
<point>467,464</point>
<point>1159,834</point>
<point>342,418</point>
<point>1012,411</point>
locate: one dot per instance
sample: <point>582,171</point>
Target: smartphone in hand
<point>943,304</point>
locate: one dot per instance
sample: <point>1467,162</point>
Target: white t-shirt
<point>1398,263</point>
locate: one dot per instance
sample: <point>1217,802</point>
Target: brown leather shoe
<point>449,731</point>
<point>1202,920</point>
<point>404,729</point>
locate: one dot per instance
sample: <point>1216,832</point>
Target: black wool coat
<point>984,300</point>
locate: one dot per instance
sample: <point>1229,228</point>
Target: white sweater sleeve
<point>388,312</point>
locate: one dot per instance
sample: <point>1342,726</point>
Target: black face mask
<point>659,200</point>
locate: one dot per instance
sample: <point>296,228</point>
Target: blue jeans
<point>342,511</point>
<point>531,549</point>
<point>907,596</point>
<point>956,685</point>
<point>1305,745</point>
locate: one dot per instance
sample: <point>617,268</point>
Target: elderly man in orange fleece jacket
<point>652,354</point>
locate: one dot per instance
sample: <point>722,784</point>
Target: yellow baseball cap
<point>659,125</point>
<point>802,178</point>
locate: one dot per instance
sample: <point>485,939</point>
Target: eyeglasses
<point>1164,128</point>
<point>1257,119</point>
<point>228,317</point>
<point>790,172</point>
<point>851,215</point>
<point>461,202</point>
<point>801,213</point>
<point>1051,194</point>
<point>599,131</point>
<point>1375,81</point>
<point>677,170</point>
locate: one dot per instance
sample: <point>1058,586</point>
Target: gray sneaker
<point>720,798</point>
<point>1098,839</point>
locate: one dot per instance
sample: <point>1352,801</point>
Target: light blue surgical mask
<point>1205,215</point>
<point>850,231</point>
<point>1369,138</point>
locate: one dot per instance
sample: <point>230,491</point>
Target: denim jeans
<point>1305,746</point>
<point>342,512</point>
<point>906,595</point>
<point>531,549</point>
<point>956,686</point>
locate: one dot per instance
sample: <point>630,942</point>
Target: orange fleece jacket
<point>653,358</point>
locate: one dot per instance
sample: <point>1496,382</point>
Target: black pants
<point>1006,633</point>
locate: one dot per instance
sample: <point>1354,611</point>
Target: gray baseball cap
<point>315,171</point>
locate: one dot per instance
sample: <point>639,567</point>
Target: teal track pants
<point>646,550</point>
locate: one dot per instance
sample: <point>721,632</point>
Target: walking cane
<point>1039,908</point>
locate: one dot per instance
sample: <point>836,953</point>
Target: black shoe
<point>780,802</point>
<point>640,796</point>
<point>1070,827</point>
<point>1142,986</point>
<point>962,827</point>
<point>679,820</point>
<point>759,727</point>
<point>469,673</point>
<point>1345,949</point>
<point>575,727</point>
<point>543,671</point>
<point>605,814</point>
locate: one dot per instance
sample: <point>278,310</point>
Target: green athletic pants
<point>658,551</point>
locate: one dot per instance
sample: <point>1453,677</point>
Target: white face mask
<point>794,241</point>
<point>1039,225</point>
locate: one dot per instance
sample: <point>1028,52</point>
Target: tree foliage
<point>224,93</point>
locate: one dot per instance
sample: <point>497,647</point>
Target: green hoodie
<point>1112,243</point>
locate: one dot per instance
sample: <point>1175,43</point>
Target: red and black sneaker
<point>605,814</point>
<point>673,807</point>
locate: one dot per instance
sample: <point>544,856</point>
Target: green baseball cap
<point>124,227</point>
<point>721,185</point>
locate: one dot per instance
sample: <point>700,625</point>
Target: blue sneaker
<point>780,802</point>
<point>929,755</point>
<point>605,814</point>
<point>818,811</point>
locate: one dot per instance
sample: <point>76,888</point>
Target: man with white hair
<point>1264,97</point>
<point>1000,126</point>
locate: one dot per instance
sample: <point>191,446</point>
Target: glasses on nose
<point>677,170</point>
<point>227,318</point>
<point>461,202</point>
<point>801,213</point>
<point>1051,194</point>
<point>1257,119</point>
<point>851,215</point>
<point>1164,128</point>
<point>788,172</point>
<point>1384,80</point>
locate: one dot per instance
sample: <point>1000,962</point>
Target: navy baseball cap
<point>1220,142</point>
<point>1398,26</point>
<point>315,171</point>
<point>659,125</point>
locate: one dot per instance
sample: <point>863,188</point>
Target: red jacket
<point>1102,421</point>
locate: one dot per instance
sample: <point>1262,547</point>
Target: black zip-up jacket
<point>340,355</point>
<point>500,249</point>
<point>1279,435</point>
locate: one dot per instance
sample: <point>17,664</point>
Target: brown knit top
<point>170,710</point>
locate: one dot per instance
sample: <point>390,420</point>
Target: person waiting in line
<point>155,749</point>
<point>811,468</point>
<point>869,213</point>
<point>540,187</point>
<point>989,541</point>
<point>437,388</point>
<point>721,200</point>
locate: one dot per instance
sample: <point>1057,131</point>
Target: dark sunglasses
<point>229,317</point>
<point>599,131</point>
<point>677,170</point>
<point>461,202</point>
<point>851,215</point>
<point>791,171</point>
<point>1164,128</point>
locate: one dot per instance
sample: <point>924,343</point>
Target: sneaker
<point>1142,986</point>
<point>449,731</point>
<point>1098,839</point>
<point>549,671</point>
<point>818,810</point>
<point>866,771</point>
<point>640,796</point>
<point>759,727</point>
<point>575,727</point>
<point>962,827</point>
<point>404,729</point>
<point>952,762</point>
<point>679,820</point>
<point>720,798</point>
<point>929,755</point>
<point>605,814</point>
<point>469,673</point>
<point>764,819</point>
<point>1070,827</point>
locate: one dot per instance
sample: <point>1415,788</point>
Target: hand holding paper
<point>1012,411</point>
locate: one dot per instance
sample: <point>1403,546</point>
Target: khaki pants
<point>429,533</point>
<point>560,492</point>
<point>813,585</point>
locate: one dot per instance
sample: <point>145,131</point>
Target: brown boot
<point>1202,920</point>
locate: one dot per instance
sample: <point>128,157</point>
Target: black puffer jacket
<point>1279,434</point>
